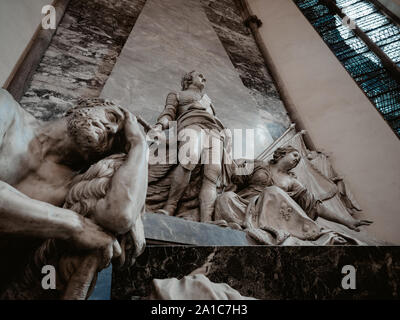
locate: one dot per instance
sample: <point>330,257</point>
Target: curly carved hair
<point>91,103</point>
<point>89,187</point>
<point>187,79</point>
<point>281,152</point>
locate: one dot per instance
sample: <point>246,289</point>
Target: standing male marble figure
<point>197,124</point>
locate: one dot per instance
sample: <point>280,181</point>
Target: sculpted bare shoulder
<point>7,113</point>
<point>17,130</point>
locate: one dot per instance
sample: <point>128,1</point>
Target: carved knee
<point>212,172</point>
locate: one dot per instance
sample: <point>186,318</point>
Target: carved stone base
<point>161,229</point>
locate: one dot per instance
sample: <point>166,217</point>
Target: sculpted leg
<point>179,181</point>
<point>351,223</point>
<point>207,197</point>
<point>208,192</point>
<point>189,156</point>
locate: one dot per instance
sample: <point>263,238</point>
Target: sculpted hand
<point>92,237</point>
<point>133,134</point>
<point>157,127</point>
<point>132,246</point>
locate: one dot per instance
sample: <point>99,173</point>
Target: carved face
<point>291,159</point>
<point>198,80</point>
<point>94,129</point>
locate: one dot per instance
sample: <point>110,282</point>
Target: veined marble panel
<point>227,20</point>
<point>80,56</point>
<point>168,40</point>
<point>270,273</point>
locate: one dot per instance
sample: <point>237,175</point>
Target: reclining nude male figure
<point>38,161</point>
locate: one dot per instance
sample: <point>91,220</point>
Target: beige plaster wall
<point>337,115</point>
<point>392,5</point>
<point>19,20</point>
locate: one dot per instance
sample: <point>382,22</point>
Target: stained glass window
<point>377,81</point>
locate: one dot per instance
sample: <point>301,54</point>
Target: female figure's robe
<point>272,213</point>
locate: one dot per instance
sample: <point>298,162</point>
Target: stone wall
<point>81,55</point>
<point>91,35</point>
<point>245,55</point>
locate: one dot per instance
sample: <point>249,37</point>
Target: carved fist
<point>133,134</point>
<point>88,235</point>
<point>157,127</point>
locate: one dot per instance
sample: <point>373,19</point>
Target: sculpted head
<point>288,157</point>
<point>94,125</point>
<point>193,78</point>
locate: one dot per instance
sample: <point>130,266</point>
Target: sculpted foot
<point>355,224</point>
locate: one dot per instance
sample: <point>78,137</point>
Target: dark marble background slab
<point>270,272</point>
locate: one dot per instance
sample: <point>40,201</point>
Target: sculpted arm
<point>121,209</point>
<point>21,215</point>
<point>169,113</point>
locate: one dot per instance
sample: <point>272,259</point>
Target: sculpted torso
<point>21,162</point>
<point>191,100</point>
<point>266,178</point>
<point>283,180</point>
